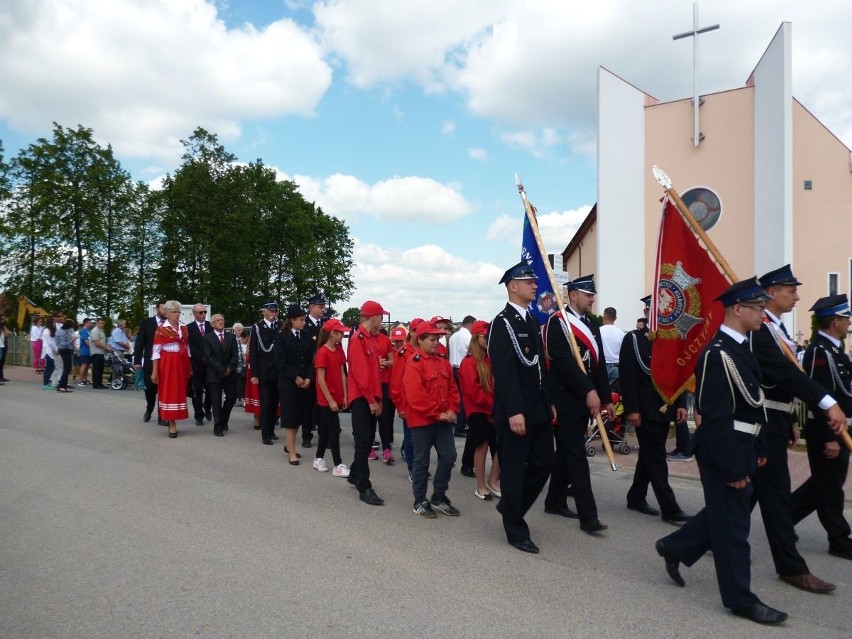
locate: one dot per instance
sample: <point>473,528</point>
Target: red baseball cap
<point>479,327</point>
<point>438,318</point>
<point>413,324</point>
<point>371,308</point>
<point>399,334</point>
<point>335,325</point>
<point>428,328</point>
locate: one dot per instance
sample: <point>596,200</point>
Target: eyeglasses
<point>200,312</point>
<point>759,309</point>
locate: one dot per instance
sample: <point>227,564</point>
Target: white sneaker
<point>319,464</point>
<point>341,470</point>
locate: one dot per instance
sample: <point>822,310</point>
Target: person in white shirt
<point>611,336</point>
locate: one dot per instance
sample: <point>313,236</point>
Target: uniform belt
<point>848,419</point>
<point>745,427</point>
<point>780,406</point>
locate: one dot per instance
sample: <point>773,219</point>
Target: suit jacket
<point>220,357</point>
<point>638,394</point>
<point>293,358</point>
<point>311,331</point>
<point>519,388</point>
<point>196,342</point>
<point>820,358</point>
<point>143,347</point>
<point>720,402</point>
<point>262,351</point>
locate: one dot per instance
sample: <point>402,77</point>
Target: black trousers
<point>329,433</point>
<point>2,359</point>
<point>461,416</point>
<point>772,492</point>
<point>570,465</point>
<point>823,492</point>
<point>268,396</point>
<point>311,416</point>
<point>525,463</point>
<point>363,424</point>
<point>651,467</point>
<point>222,410</point>
<point>386,418</point>
<point>65,354</point>
<point>200,399</point>
<point>722,526</point>
<point>150,390</point>
<point>97,370</point>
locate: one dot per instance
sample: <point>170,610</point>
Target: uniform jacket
<point>429,389</point>
<point>293,358</point>
<point>400,361</point>
<point>520,386</point>
<point>261,351</point>
<point>220,356</point>
<point>831,368</point>
<point>196,342</point>
<point>720,402</point>
<point>638,394</point>
<point>364,378</point>
<point>476,399</point>
<point>143,347</point>
<point>311,331</point>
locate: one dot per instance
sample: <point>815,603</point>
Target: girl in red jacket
<point>477,387</point>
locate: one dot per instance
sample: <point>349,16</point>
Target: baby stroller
<point>120,369</point>
<point>616,429</point>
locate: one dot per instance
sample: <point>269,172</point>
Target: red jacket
<point>364,379</point>
<point>429,389</point>
<point>400,359</point>
<point>476,400</point>
<point>383,346</point>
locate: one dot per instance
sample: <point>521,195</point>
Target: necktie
<point>201,328</point>
<point>784,330</point>
<point>298,334</point>
<point>222,339</point>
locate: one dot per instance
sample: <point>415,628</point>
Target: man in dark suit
<point>827,363</point>
<point>220,352</point>
<point>730,401</point>
<point>316,317</point>
<point>783,381</point>
<point>642,410</point>
<point>143,348</point>
<point>579,394</point>
<point>196,330</point>
<point>522,408</point>
<point>264,372</point>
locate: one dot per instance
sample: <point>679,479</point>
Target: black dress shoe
<point>274,436</point>
<point>162,422</point>
<point>225,427</point>
<point>218,433</point>
<point>526,545</point>
<point>267,442</point>
<point>761,613</point>
<point>294,463</point>
<point>844,553</point>
<point>467,471</point>
<point>564,511</point>
<point>147,416</point>
<point>199,422</point>
<point>306,443</point>
<point>677,518</point>
<point>672,564</point>
<point>288,452</point>
<point>644,508</point>
<point>369,496</point>
<point>209,415</point>
<point>592,526</point>
<point>173,435</point>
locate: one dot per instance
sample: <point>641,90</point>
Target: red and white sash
<point>582,333</point>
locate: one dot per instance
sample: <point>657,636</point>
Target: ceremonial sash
<point>582,333</point>
<point>784,344</point>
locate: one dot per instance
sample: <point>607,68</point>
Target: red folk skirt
<point>172,373</point>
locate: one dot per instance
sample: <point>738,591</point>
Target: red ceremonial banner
<point>686,317</point>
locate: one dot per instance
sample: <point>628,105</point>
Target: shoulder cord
<point>260,344</point>
<point>641,363</point>
<point>734,375</point>
<point>835,374</point>
<point>524,360</point>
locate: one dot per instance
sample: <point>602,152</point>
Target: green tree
<point>351,316</point>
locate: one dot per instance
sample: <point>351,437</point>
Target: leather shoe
<point>369,496</point>
<point>162,422</point>
<point>147,416</point>
<point>760,613</point>
<point>218,433</point>
<point>644,508</point>
<point>467,471</point>
<point>564,511</point>
<point>592,526</point>
<point>677,518</point>
<point>526,545</point>
<point>199,422</point>
<point>274,436</point>
<point>306,443</point>
<point>841,552</point>
<point>298,455</point>
<point>672,564</point>
<point>808,583</point>
<point>267,442</point>
<point>209,415</point>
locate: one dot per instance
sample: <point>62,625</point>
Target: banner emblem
<point>678,302</point>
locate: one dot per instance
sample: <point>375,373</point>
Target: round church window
<point>704,205</point>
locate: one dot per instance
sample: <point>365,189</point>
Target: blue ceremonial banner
<point>545,303</point>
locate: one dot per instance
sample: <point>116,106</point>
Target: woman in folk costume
<point>170,367</point>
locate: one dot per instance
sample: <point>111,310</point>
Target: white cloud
<point>475,153</point>
<point>145,74</point>
<point>425,281</point>
<point>397,198</point>
<point>448,127</point>
<point>557,228</point>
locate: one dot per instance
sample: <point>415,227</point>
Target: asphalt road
<point>110,529</point>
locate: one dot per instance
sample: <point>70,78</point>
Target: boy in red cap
<point>398,392</point>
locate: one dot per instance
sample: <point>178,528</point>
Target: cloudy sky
<point>407,119</point>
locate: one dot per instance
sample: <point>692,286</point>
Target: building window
<point>809,185</point>
<point>833,281</point>
<point>704,205</point>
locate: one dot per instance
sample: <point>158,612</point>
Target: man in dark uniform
<point>263,370</point>
<point>782,381</point>
<point>642,409</point>
<point>143,348</point>
<point>196,331</point>
<point>730,401</point>
<point>316,317</point>
<point>828,456</point>
<point>522,408</point>
<point>578,394</point>
<point>220,351</point>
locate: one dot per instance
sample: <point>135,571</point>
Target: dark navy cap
<point>270,306</point>
<point>748,290</point>
<point>831,306</point>
<point>646,301</point>
<point>779,277</point>
<point>520,271</point>
<point>294,310</point>
<point>317,299</point>
<point>586,284</point>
